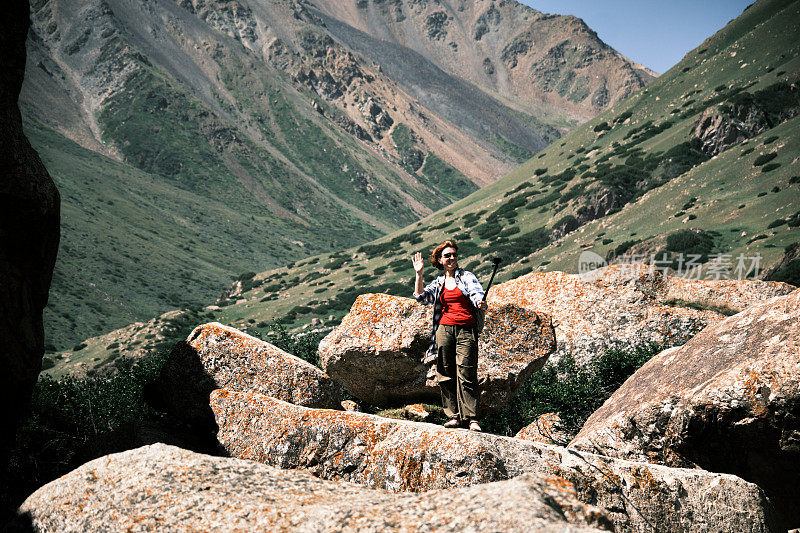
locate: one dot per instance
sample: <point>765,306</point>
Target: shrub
<point>770,166</point>
<point>790,272</point>
<point>79,347</point>
<point>573,391</point>
<point>764,158</point>
<point>689,242</point>
<point>603,126</point>
<point>305,346</point>
<point>776,223</point>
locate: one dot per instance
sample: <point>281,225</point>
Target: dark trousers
<point>457,370</point>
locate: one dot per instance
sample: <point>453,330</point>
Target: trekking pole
<point>496,261</point>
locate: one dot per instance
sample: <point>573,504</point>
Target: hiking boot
<point>453,423</point>
<point>474,426</point>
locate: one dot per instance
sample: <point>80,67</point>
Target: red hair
<point>437,253</point>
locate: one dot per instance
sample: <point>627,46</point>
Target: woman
<point>457,299</point>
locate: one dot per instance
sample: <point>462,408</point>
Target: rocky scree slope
<point>504,48</point>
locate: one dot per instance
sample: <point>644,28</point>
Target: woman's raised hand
<point>418,263</point>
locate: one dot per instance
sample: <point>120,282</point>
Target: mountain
<point>200,139</point>
<point>503,47</point>
<point>701,162</point>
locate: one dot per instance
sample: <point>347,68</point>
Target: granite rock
<point>401,456</point>
<point>163,488</point>
<point>728,401</point>
<point>216,356</point>
<point>547,429</point>
<point>628,306</point>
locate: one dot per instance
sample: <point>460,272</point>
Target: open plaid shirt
<point>467,283</point>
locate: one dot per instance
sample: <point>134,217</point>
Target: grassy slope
<point>735,200</point>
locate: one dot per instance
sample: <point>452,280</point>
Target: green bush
<point>770,166</point>
<point>573,391</point>
<point>305,347</point>
<point>603,126</point>
<point>764,158</point>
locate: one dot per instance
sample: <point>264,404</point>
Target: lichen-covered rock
<point>628,306</point>
<point>375,353</point>
<point>399,455</point>
<point>29,234</point>
<point>728,401</point>
<point>163,488</point>
<point>515,343</point>
<point>216,356</point>
<point>547,429</point>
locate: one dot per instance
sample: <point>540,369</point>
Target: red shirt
<point>457,310</point>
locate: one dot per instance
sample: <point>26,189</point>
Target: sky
<point>654,33</point>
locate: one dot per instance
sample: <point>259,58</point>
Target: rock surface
<point>161,487</point>
<point>29,234</point>
<point>727,401</point>
<point>399,455</point>
<point>216,356</point>
<point>375,353</point>
<point>627,306</point>
<point>546,429</point>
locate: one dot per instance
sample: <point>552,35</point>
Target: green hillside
<point>634,175</point>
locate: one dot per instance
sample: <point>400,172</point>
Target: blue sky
<point>656,34</point>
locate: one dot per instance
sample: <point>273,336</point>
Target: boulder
<point>216,356</point>
<point>163,488</point>
<point>376,352</point>
<point>399,456</point>
<point>29,235</point>
<point>727,401</point>
<point>547,429</point>
<point>628,306</point>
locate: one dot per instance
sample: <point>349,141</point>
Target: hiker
<point>458,304</point>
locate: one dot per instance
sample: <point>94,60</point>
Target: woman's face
<point>449,258</point>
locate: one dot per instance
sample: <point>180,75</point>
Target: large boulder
<point>163,488</point>
<point>215,356</point>
<point>727,401</point>
<point>376,352</point>
<point>628,306</point>
<point>399,455</point>
<point>29,235</point>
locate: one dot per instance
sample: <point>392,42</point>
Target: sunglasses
<point>445,256</point>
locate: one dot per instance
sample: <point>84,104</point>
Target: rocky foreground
<point>217,356</point>
<point>627,306</point>
<point>163,488</point>
<point>663,454</point>
<point>402,456</point>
